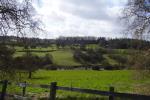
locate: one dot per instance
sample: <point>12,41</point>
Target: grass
<point>122,80</point>
<point>92,46</point>
<point>60,57</point>
<point>80,78</point>
<point>87,79</point>
<point>64,58</point>
<point>111,61</point>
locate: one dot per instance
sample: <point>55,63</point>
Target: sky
<point>99,18</point>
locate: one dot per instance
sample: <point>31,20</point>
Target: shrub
<point>109,68</point>
<point>88,57</point>
<point>46,60</point>
<point>27,62</point>
<point>105,63</point>
<point>95,68</point>
<point>51,67</point>
<point>6,59</point>
<point>102,50</point>
<point>121,59</point>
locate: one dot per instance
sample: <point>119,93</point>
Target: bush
<point>46,60</point>
<point>119,67</point>
<point>102,50</point>
<point>27,62</point>
<point>6,58</point>
<point>50,67</point>
<point>109,68</point>
<point>88,57</point>
<point>33,46</point>
<point>121,59</point>
<point>95,68</point>
<point>105,63</point>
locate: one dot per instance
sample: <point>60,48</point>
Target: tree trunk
<point>30,75</point>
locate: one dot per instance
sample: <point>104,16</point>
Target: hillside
<point>64,56</point>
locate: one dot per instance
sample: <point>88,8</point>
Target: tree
<point>121,59</point>
<point>141,64</point>
<point>27,62</point>
<point>89,57</point>
<point>137,16</point>
<point>31,63</point>
<point>6,59</point>
<point>17,17</point>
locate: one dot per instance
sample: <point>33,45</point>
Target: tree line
<point>61,42</point>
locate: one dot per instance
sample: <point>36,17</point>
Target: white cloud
<point>80,17</point>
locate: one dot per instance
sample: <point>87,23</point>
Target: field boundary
<point>53,90</point>
<point>36,51</point>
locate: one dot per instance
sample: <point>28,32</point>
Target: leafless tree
<point>18,16</point>
<point>137,17</point>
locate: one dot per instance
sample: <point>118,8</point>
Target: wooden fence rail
<point>53,90</point>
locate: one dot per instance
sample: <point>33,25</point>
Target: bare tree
<point>17,16</point>
<point>137,17</point>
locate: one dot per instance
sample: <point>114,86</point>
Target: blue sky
<point>80,17</point>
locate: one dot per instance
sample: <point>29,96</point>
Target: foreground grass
<point>122,80</point>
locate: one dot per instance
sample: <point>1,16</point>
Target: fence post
<point>4,87</point>
<point>53,87</point>
<point>111,89</point>
<point>24,89</point>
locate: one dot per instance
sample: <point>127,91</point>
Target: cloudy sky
<point>80,17</point>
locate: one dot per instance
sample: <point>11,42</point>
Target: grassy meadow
<point>122,80</point>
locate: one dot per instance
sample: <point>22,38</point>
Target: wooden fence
<point>53,89</point>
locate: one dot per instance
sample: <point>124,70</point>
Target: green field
<point>122,80</point>
<point>60,57</point>
<point>64,57</point>
<point>84,79</point>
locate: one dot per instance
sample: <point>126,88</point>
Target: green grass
<point>86,79</point>
<point>18,48</point>
<point>36,49</point>
<point>92,46</point>
<point>60,57</point>
<point>18,54</point>
<point>122,80</point>
<point>110,61</point>
<point>64,58</point>
<point>44,49</point>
